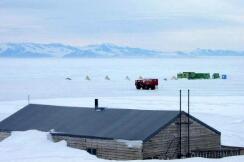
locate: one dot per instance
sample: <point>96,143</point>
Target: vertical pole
<point>180,125</point>
<point>188,123</point>
<point>28,99</point>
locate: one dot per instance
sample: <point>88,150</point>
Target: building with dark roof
<point>123,134</point>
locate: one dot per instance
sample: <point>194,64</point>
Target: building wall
<point>165,144</point>
<point>242,152</point>
<point>4,135</point>
<point>106,149</point>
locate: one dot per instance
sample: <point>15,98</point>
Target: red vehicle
<point>146,84</point>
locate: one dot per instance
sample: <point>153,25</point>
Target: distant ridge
<point>210,52</point>
<point>106,50</point>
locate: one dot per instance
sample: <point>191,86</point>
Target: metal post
<point>188,123</point>
<point>28,99</point>
<point>180,125</point>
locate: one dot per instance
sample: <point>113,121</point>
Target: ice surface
<point>45,78</point>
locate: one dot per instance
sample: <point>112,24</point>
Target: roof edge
<point>15,113</point>
<point>164,126</point>
<point>201,122</point>
<point>80,136</point>
<point>171,121</point>
<point>111,108</point>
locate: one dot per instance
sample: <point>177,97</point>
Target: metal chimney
<point>96,104</point>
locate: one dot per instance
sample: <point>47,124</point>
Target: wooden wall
<point>165,144</point>
<point>242,152</point>
<point>106,149</point>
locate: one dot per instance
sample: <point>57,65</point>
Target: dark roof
<point>110,123</point>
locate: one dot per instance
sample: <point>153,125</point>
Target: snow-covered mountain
<point>37,50</point>
<point>210,52</point>
<point>111,50</point>
<point>66,51</point>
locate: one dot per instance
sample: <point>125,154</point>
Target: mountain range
<point>106,50</point>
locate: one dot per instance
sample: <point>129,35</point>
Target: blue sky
<point>158,24</point>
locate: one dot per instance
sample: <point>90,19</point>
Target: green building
<point>193,75</point>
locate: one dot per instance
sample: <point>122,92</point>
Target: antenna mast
<point>28,99</point>
<point>188,122</point>
<point>180,126</point>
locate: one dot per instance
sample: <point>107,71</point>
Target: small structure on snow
<point>193,75</point>
<point>88,78</point>
<point>174,78</point>
<point>224,76</point>
<point>216,76</point>
<point>127,78</point>
<point>107,77</point>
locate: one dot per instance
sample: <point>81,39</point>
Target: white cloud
<point>178,24</point>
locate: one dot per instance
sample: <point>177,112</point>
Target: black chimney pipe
<point>96,104</point>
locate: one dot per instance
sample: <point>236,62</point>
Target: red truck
<point>146,84</point>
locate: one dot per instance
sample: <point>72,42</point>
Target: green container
<point>193,75</point>
<point>179,75</point>
<point>188,75</point>
<point>202,76</point>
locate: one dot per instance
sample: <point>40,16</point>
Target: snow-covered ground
<point>37,146</point>
<point>45,78</point>
<point>219,103</point>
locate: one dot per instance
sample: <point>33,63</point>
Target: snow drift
<point>36,146</point>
